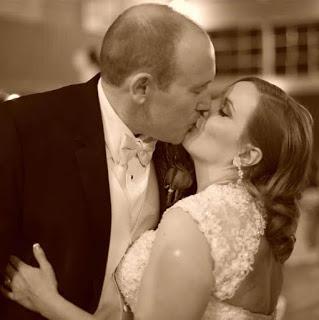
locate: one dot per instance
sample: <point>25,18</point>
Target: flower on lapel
<point>177,179</point>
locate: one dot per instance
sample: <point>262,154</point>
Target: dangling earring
<point>237,164</point>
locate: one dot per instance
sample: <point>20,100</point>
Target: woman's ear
<point>250,156</point>
<point>140,86</point>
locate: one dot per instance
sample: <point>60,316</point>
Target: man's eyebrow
<point>219,94</point>
<point>202,85</point>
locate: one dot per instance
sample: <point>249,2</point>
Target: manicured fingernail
<point>36,246</point>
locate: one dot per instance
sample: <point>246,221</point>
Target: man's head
<point>164,63</point>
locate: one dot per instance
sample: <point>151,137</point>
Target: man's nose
<point>214,105</point>
<point>213,108</point>
<point>203,106</point>
<point>205,101</point>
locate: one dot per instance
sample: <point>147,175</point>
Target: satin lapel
<point>91,159</point>
<point>92,168</point>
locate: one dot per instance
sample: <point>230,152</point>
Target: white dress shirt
<point>134,196</point>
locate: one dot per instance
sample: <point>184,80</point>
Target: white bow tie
<point>131,146</point>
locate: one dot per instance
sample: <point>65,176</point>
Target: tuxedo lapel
<point>91,159</point>
<point>94,178</point>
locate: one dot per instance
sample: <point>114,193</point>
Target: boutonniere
<point>177,179</point>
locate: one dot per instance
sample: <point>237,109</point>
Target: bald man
<point>76,167</point>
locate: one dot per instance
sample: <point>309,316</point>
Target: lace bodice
<point>233,225</point>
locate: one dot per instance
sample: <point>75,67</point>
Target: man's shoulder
<point>64,92</point>
<point>67,106</point>
<point>52,102</point>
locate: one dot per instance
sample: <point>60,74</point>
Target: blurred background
<point>46,44</point>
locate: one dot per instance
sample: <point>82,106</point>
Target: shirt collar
<point>114,127</point>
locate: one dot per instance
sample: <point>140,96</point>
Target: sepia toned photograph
<point>159,160</point>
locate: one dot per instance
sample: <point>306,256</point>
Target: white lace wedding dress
<point>232,224</point>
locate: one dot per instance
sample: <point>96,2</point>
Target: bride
<point>217,254</point>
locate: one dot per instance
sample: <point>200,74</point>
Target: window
<point>294,50</point>
<point>297,49</point>
<point>238,51</point>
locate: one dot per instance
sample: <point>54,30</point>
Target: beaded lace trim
<point>220,310</point>
<point>230,220</point>
<point>130,271</point>
<point>233,225</point>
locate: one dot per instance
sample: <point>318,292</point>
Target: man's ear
<point>250,155</point>
<point>140,86</point>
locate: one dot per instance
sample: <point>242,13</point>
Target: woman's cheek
<point>215,129</point>
<point>223,133</point>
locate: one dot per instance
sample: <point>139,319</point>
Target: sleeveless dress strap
<point>233,225</point>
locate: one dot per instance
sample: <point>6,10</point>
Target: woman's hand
<point>33,288</point>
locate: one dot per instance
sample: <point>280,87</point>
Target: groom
<point>76,173</point>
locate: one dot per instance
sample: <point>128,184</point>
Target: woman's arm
<point>36,290</point>
<point>178,279</point>
<point>60,309</point>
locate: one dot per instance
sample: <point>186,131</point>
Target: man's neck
<point>119,101</point>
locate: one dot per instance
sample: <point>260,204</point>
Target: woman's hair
<point>282,129</point>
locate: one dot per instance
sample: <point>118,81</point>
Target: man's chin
<point>175,143</point>
<point>186,136</point>
<point>173,140</point>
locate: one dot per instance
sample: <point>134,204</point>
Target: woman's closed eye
<point>224,109</point>
<point>222,112</point>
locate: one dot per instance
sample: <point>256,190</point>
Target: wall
<point>36,54</point>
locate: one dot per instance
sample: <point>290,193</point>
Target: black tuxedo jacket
<point>54,190</point>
